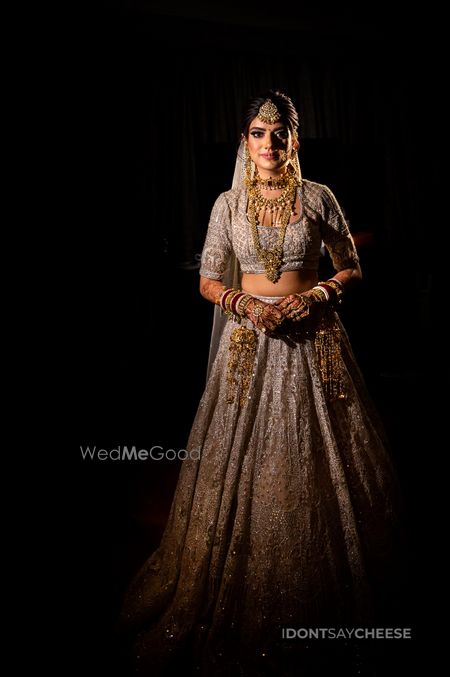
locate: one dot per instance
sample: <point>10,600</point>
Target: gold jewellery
<point>327,344</point>
<point>268,112</point>
<point>243,343</point>
<point>279,209</point>
<point>271,183</point>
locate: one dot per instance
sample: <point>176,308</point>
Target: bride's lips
<point>269,157</point>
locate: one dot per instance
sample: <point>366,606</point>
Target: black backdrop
<point>156,114</point>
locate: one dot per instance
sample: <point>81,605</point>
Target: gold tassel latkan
<point>240,363</point>
<point>328,349</point>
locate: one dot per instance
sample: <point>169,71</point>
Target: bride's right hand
<point>265,316</point>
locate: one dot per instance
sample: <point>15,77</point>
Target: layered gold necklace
<point>279,210</point>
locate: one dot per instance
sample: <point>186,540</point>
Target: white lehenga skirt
<point>283,517</point>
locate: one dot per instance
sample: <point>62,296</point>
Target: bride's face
<point>269,146</point>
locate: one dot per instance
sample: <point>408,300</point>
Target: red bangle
<point>331,290</point>
<point>338,282</point>
<point>224,297</point>
<point>234,302</point>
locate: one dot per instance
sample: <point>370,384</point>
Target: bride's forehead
<point>256,122</point>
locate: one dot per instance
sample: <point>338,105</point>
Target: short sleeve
<point>336,234</point>
<point>217,248</point>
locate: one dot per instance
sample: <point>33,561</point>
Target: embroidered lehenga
<point>283,518</point>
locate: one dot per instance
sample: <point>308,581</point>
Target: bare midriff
<point>290,282</point>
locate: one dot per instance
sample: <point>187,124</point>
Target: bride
<point>286,519</point>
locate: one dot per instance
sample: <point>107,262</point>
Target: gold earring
<point>248,163</point>
<point>295,164</point>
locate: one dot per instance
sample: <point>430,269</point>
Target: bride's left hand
<point>295,306</point>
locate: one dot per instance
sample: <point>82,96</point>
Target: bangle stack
<point>334,288</point>
<point>320,293</point>
<point>219,295</point>
<point>234,302</point>
<point>330,291</point>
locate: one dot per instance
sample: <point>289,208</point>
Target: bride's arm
<point>211,290</point>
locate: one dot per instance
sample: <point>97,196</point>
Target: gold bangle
<point>219,295</point>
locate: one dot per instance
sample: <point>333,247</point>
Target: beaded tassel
<point>240,363</point>
<point>328,350</point>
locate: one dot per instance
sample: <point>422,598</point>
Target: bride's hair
<point>286,108</point>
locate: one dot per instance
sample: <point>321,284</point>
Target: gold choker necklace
<point>272,183</point>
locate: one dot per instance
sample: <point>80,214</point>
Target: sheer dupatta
<point>233,274</point>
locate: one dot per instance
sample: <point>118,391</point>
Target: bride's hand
<point>295,307</point>
<point>265,316</point>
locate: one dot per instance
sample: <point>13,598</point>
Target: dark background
<point>158,96</point>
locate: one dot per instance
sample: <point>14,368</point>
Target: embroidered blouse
<point>320,219</point>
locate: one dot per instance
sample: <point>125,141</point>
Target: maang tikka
<point>268,112</point>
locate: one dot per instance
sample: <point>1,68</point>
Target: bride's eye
<point>257,135</point>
